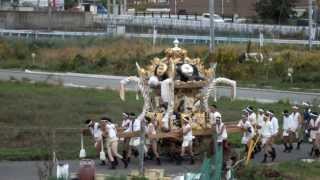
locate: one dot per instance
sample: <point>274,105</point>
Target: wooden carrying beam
<point>177,134</point>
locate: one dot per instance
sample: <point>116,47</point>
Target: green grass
<point>296,170</point>
<point>26,105</point>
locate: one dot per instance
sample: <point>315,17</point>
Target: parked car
<point>216,18</point>
<point>101,9</point>
<point>182,12</point>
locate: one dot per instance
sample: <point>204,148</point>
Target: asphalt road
<point>27,170</point>
<point>113,82</point>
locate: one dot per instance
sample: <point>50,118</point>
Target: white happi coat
<point>287,125</point>
<point>112,131</point>
<point>266,131</point>
<point>221,129</point>
<point>296,116</point>
<point>135,126</point>
<point>314,122</point>
<point>187,138</point>
<point>260,120</point>
<point>246,135</point>
<point>96,132</point>
<point>275,126</point>
<point>253,118</point>
<point>126,125</point>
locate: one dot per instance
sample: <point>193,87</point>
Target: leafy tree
<point>279,11</point>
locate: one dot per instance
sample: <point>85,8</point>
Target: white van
<point>216,18</point>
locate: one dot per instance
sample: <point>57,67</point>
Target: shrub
<point>20,50</point>
<point>117,56</point>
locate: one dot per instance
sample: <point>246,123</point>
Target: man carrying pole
<point>152,141</point>
<point>296,116</point>
<point>110,132</point>
<point>266,140</point>
<point>289,131</point>
<point>248,131</point>
<point>95,131</point>
<point>187,138</point>
<point>275,131</point>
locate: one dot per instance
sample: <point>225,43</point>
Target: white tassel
<point>102,153</point>
<point>122,92</point>
<point>82,153</point>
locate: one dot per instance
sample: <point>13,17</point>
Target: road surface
<point>27,170</point>
<point>113,82</point>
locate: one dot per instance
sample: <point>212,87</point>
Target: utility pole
<point>141,147</point>
<point>108,7</point>
<point>211,10</point>
<point>310,23</point>
<point>222,8</point>
<point>175,7</point>
<point>49,14</point>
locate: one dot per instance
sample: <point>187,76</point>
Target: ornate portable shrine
<point>175,88</point>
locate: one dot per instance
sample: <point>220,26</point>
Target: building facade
<point>227,8</point>
<point>243,8</point>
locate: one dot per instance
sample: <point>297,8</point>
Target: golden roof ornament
<point>175,54</point>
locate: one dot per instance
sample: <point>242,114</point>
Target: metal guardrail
<point>222,39</point>
<point>199,24</point>
<point>37,33</point>
<point>183,38</point>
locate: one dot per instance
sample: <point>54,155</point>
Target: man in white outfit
<point>95,131</point>
<point>314,130</point>
<point>297,118</point>
<point>289,131</point>
<point>266,130</point>
<point>213,114</point>
<point>260,117</point>
<point>212,120</point>
<point>252,116</point>
<point>187,138</point>
<point>222,136</point>
<point>275,128</point>
<point>110,133</point>
<point>248,131</point>
<point>152,140</point>
<point>126,121</point>
<point>134,142</point>
<point>220,130</point>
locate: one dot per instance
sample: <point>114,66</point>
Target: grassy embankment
<point>118,56</point>
<point>27,105</point>
<point>48,107</point>
<point>293,170</point>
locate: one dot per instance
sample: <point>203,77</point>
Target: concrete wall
<point>41,20</point>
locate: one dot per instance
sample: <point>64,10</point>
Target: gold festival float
<point>175,87</point>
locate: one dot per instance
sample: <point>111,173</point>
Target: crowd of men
<point>261,128</point>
